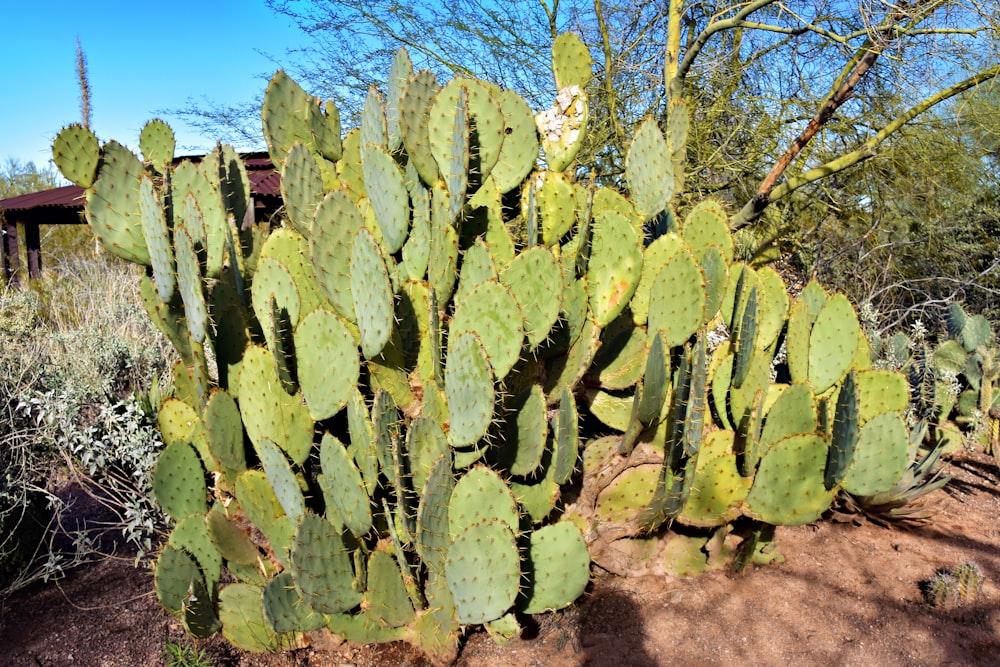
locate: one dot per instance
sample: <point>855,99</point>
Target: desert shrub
<point>77,360</point>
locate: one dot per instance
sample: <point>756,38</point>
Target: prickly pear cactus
<point>410,370</point>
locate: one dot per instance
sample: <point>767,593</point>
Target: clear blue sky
<point>141,57</point>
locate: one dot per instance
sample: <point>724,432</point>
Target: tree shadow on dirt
<point>622,642</point>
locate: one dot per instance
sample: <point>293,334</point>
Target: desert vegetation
<point>553,340</point>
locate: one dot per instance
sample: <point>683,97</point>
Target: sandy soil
<point>846,595</point>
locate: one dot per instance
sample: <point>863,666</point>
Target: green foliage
<point>184,655</point>
<point>76,363</point>
<point>18,178</point>
<point>467,359</point>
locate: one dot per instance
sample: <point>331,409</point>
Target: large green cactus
<point>476,344</point>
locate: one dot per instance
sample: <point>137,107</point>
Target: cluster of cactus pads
<point>453,377</point>
<point>953,382</point>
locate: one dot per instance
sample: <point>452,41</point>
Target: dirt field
<point>845,595</point>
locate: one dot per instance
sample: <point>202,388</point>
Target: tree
<point>799,110</point>
<point>18,178</point>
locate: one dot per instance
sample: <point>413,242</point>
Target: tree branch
<point>749,213</point>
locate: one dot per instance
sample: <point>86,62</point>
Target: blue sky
<point>142,58</point>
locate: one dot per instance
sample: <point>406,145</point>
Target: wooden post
<point>33,243</point>
<point>11,262</point>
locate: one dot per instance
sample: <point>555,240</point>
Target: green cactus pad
<point>362,439</point>
<point>285,115</point>
<point>534,279</point>
<point>614,267</point>
<point>526,434</point>
<point>801,318</point>
<point>620,362</point>
<point>270,413</point>
<point>388,196</point>
<point>481,495</point>
<point>571,63</point>
<point>794,412</point>
<point>321,566</point>
<point>881,391</point>
<point>414,109</point>
<point>567,372</point>
<point>537,497</point>
<point>157,238</point>
<point>372,290</point>
<point>832,343</point>
<point>677,301</point>
<point>443,258</point>
<point>520,145</point>
<point>374,128</point>
<point>707,225</point>
<point>399,77</point>
<point>301,187</point>
<point>336,223</point>
<point>788,489</point>
<point>477,268</point>
<point>285,610</point>
<point>178,422</point>
<point>417,249</point>
<point>325,129</point>
<point>224,431</point>
<point>493,315</point>
<point>716,272</point>
<point>385,429</point>
<point>741,400</point>
<point>291,250</point>
<point>772,306</point>
<point>113,204</point>
<point>566,442</point>
<point>173,577</point>
<point>557,206</point>
<point>845,431</point>
<point>650,181</point>
<point>628,495</point>
<point>344,487</point>
<point>469,388</point>
<point>976,333</point>
<point>282,478</point>
<point>230,541</point>
<point>656,380</point>
<point>200,618</point>
<point>241,610</point>
<point>483,571</point>
<point>156,141</point>
<point>484,112</point>
<point>257,500</point>
<point>742,282</point>
<point>179,482</point>
<point>432,514</point>
<point>76,153</point>
<point>192,536</point>
<point>273,280</point>
<point>719,489</point>
<point>327,362</point>
<point>655,257</point>
<point>880,458</point>
<point>745,339</point>
<point>558,568</point>
<point>349,166</point>
<point>388,602</point>
<point>426,442</point>
<point>614,410</point>
<point>189,282</point>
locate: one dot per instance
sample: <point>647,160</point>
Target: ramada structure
<point>64,206</point>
